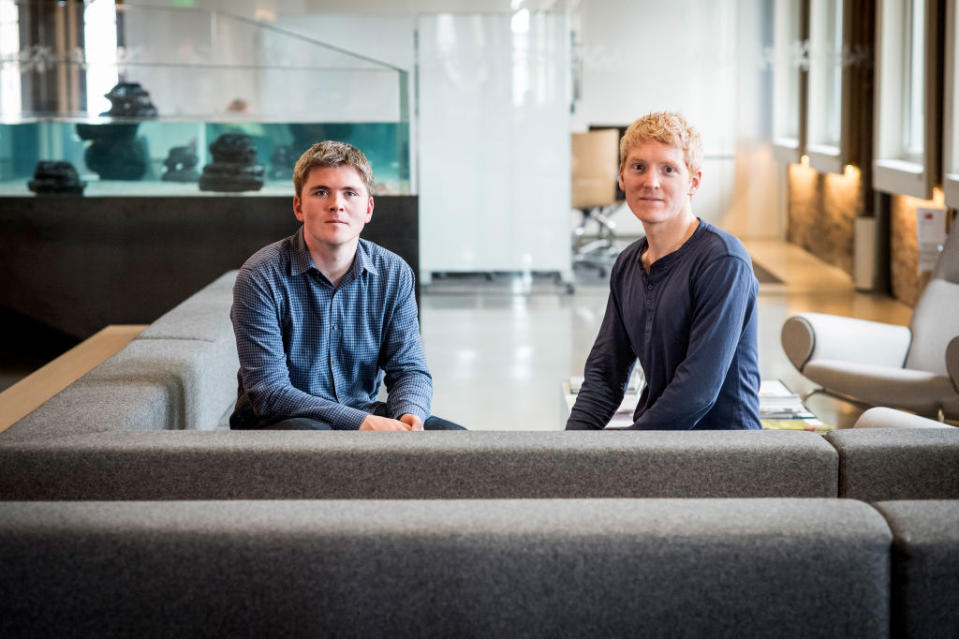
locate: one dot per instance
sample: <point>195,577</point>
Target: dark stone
<point>181,165</point>
<point>234,166</point>
<point>117,159</point>
<point>129,99</point>
<point>55,177</point>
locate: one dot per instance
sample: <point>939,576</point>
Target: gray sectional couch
<point>128,507</point>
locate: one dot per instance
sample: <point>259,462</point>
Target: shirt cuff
<point>349,418</point>
<point>412,409</point>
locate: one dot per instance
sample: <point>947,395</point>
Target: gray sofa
<point>151,423</point>
<point>102,531</point>
<point>492,568</point>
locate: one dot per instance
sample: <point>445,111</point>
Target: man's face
<point>657,182</point>
<point>334,206</point>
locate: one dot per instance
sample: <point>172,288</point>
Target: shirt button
<point>334,327</point>
<point>649,287</point>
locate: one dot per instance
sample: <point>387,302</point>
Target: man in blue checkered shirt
<point>322,317</point>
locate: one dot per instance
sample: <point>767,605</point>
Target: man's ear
<point>369,210</point>
<point>298,208</point>
<point>622,187</point>
<point>694,181</point>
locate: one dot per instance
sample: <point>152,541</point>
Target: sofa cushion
<point>925,567</point>
<point>884,463</point>
<point>148,385</point>
<point>431,464</point>
<point>527,568</point>
<point>92,406</point>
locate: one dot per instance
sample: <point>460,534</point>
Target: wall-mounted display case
<point>907,141</point>
<point>205,74</point>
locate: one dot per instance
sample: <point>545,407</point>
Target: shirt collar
<point>301,260</point>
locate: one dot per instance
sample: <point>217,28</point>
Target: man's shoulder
<point>717,243</point>
<point>270,261</point>
<point>383,259</point>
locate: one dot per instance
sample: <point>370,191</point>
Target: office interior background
<point>828,130</point>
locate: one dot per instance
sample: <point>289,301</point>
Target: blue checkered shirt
<point>311,349</point>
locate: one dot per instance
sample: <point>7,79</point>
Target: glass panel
<point>204,73</point>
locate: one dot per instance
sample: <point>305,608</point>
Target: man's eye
<point>351,193</point>
<point>638,167</point>
<point>670,169</point>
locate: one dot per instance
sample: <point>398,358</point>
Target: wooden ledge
<point>30,392</point>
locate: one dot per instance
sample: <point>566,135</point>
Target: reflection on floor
<point>498,354</point>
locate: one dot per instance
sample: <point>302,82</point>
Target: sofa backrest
<point>878,464</point>
<point>179,373</point>
<point>925,567</point>
<point>499,568</point>
<point>424,465</point>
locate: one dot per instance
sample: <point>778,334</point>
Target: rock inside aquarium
<point>181,164</point>
<point>234,166</point>
<point>55,177</point>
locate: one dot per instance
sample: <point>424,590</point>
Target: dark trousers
<point>307,423</point>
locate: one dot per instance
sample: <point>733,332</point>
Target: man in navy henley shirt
<point>682,300</point>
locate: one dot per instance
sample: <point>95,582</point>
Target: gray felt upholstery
<point>539,568</point>
<point>150,384</point>
<point>367,465</point>
<point>887,464</point>
<point>925,567</point>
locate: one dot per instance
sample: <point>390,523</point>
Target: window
<point>824,143</point>
<point>788,58</point>
<point>906,84</point>
<point>950,157</point>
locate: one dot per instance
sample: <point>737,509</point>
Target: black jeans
<point>308,423</point>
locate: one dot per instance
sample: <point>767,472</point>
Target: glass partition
<point>179,78</point>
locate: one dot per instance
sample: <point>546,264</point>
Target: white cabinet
<point>494,154</point>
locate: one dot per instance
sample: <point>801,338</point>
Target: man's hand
<point>413,421</point>
<point>374,422</point>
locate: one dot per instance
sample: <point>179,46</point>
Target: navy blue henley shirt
<point>691,322</point>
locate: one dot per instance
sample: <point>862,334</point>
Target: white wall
<point>643,56</point>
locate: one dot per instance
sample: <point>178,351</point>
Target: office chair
<point>915,368</point>
<point>594,170</point>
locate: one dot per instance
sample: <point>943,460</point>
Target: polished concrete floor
<point>499,350</point>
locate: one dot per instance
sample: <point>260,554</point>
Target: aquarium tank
<point>108,99</point>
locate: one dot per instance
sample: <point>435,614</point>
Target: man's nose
<point>336,200</point>
<point>652,180</point>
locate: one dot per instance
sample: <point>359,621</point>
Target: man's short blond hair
<point>327,154</point>
<point>666,128</point>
